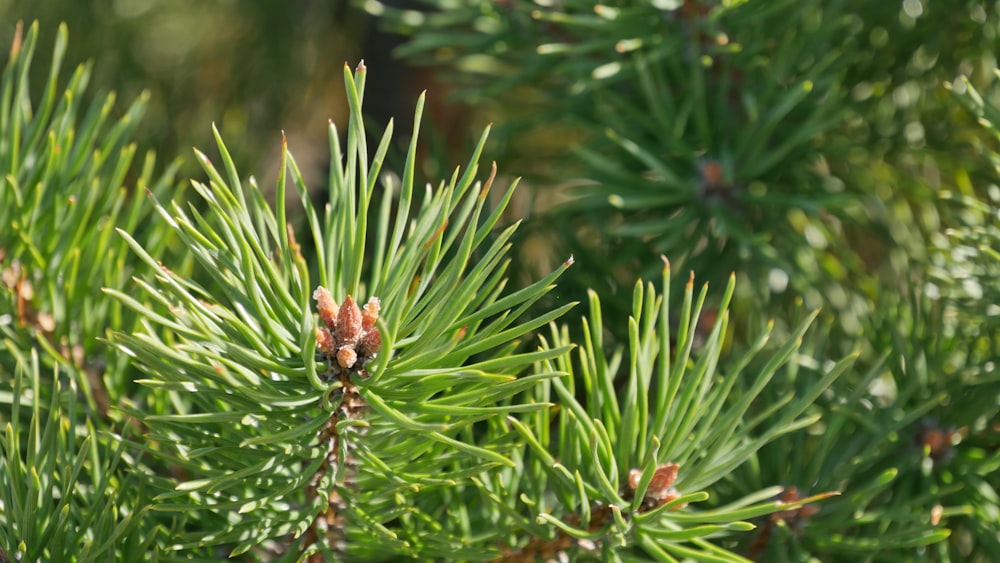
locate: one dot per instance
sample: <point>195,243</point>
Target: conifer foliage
<point>194,371</point>
<point>814,148</point>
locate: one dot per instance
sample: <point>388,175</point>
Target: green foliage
<point>812,147</point>
<point>65,165</point>
<point>248,397</point>
<point>66,492</point>
<point>697,122</point>
<point>780,139</point>
<point>240,363</point>
<point>189,377</point>
<point>595,470</point>
<point>912,440</point>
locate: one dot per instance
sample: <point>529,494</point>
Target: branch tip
<point>15,44</point>
<point>489,181</point>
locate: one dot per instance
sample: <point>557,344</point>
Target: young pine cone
<point>348,335</point>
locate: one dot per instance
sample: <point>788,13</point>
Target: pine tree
<point>200,373</point>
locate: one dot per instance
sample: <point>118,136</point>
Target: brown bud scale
<point>326,306</point>
<point>325,342</point>
<point>370,343</point>
<point>663,478</point>
<point>348,323</point>
<point>347,357</point>
<point>370,313</point>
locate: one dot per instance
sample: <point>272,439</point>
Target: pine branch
<point>376,392</point>
<point>318,441</point>
<point>621,470</point>
<point>70,488</point>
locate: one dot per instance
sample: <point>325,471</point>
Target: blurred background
<point>252,68</point>
<point>803,145</point>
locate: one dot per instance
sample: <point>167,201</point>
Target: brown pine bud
<point>935,440</point>
<point>325,342</point>
<point>370,343</point>
<point>671,495</point>
<point>348,323</point>
<point>347,357</point>
<point>326,306</point>
<point>633,479</point>
<point>936,512</point>
<point>370,313</point>
<point>663,478</point>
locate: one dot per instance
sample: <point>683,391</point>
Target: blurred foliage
<point>71,177</point>
<point>253,68</point>
<point>814,147</point>
<point>789,140</point>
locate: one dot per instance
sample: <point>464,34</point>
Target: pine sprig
<point>64,493</point>
<point>294,444</point>
<point>910,437</point>
<point>374,393</point>
<point>70,490</point>
<point>622,463</point>
<point>694,121</point>
<point>63,192</point>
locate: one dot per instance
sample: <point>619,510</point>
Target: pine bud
<point>370,313</point>
<point>325,342</point>
<point>663,478</point>
<point>348,323</point>
<point>660,490</point>
<point>347,357</point>
<point>633,479</point>
<point>370,343</point>
<point>326,306</point>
